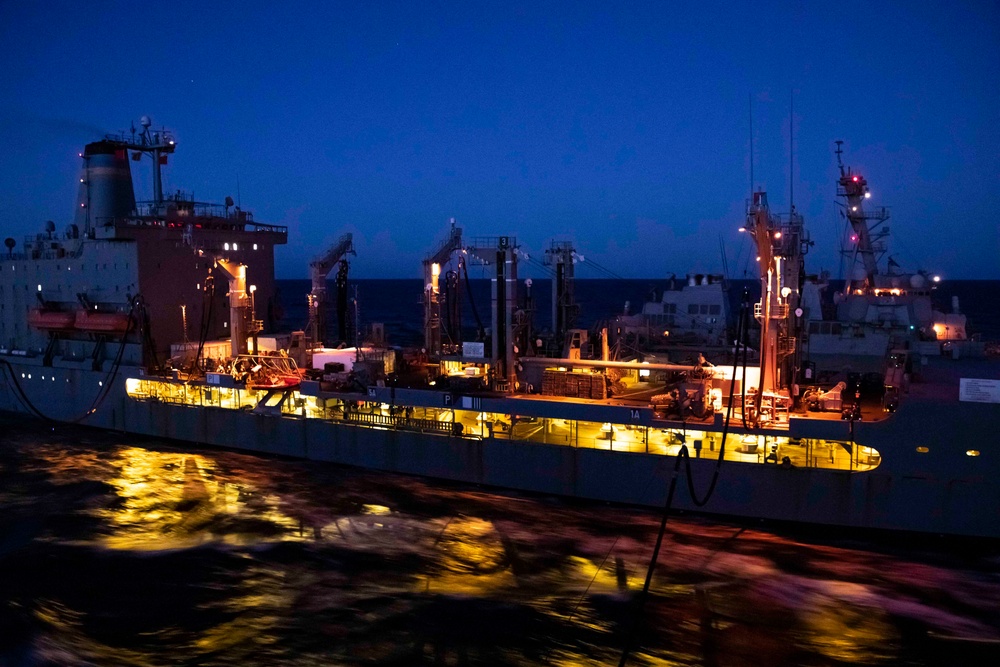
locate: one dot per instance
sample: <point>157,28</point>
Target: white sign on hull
<point>977,390</point>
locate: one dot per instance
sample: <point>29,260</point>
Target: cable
<point>607,272</point>
<point>684,455</point>
<point>590,584</point>
<point>550,273</point>
<point>19,391</point>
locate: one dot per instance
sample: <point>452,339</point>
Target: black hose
<point>684,455</point>
<point>472,302</point>
<point>106,384</point>
<point>206,320</point>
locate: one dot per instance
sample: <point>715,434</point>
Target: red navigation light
<point>854,237</point>
<point>855,179</point>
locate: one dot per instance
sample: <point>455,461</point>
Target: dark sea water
<point>118,550</point>
<point>122,550</point>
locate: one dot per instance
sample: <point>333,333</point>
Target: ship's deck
<point>703,438</point>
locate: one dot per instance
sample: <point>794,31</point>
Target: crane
<point>319,269</point>
<point>432,291</point>
<point>241,317</point>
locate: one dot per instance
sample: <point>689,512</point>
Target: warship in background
<point>684,320</point>
<point>879,309</point>
<point>96,329</point>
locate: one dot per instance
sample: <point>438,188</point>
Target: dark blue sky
<point>623,129</point>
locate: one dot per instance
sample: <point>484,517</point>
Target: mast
<point>791,153</point>
<point>867,227</point>
<point>158,144</point>
<point>781,245</point>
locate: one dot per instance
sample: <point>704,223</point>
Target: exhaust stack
<point>106,190</point>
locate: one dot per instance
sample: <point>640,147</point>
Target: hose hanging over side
<point>136,311</point>
<point>684,456</point>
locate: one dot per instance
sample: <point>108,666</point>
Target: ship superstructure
<point>70,298</point>
<point>690,316</point>
<point>487,411</point>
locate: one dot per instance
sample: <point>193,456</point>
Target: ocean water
<point>121,550</point>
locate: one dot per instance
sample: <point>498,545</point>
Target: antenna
<point>750,102</point>
<point>839,152</point>
<point>791,153</point>
<point>725,260</point>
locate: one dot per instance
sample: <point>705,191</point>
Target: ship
<point>685,319</point>
<point>160,318</point>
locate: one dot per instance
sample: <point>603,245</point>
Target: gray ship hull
<point>940,491</point>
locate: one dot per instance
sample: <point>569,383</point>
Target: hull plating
<point>940,491</point>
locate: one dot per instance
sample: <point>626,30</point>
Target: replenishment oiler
<point>159,317</point>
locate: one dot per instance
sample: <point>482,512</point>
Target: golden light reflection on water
<point>173,500</point>
<point>470,560</point>
<point>73,641</point>
<point>846,632</point>
<point>568,580</point>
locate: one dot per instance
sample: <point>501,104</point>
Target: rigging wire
<point>548,270</point>
<point>608,273</point>
<point>607,555</point>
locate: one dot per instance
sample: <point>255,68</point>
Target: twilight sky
<point>622,127</point>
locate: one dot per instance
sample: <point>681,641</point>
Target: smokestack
<point>105,185</point>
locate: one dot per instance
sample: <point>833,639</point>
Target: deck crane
<point>319,269</point>
<point>781,245</point>
<point>432,290</point>
<point>242,322</point>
